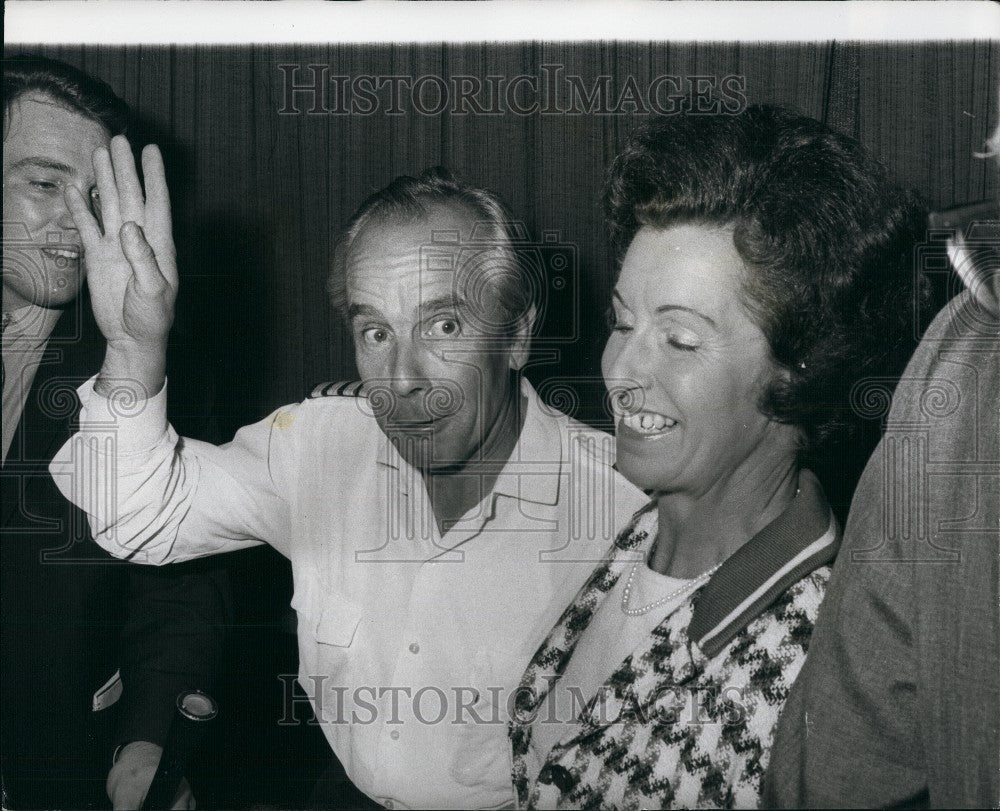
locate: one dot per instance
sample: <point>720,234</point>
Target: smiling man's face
<point>46,147</point>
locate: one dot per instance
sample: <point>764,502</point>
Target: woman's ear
<point>520,341</point>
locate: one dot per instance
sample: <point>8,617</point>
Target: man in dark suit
<point>94,651</point>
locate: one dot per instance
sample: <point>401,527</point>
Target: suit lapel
<point>72,354</point>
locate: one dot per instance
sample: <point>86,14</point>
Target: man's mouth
<point>411,425</point>
<point>648,423</point>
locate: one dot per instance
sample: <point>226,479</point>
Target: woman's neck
<point>699,530</point>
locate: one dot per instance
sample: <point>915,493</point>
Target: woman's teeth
<point>65,253</point>
<point>647,422</point>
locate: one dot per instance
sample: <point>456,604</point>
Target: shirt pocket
<point>337,622</point>
<point>324,617</point>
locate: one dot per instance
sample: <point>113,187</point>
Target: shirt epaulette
<point>342,388</point>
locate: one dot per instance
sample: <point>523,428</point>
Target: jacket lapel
<point>72,354</point>
<point>666,659</point>
<point>550,660</point>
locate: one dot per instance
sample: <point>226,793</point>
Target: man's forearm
<point>132,370</point>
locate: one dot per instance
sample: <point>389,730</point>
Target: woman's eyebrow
<point>668,307</point>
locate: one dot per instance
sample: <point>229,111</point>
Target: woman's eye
<point>444,328</point>
<point>375,335</point>
<point>615,324</point>
<point>682,342</point>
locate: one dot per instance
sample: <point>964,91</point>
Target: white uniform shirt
<point>411,644</point>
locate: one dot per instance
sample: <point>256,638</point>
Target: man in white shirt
<point>437,521</point>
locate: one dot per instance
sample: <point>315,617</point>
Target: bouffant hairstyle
<point>68,86</point>
<point>827,241</point>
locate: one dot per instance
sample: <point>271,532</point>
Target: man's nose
<point>64,218</point>
<point>406,370</point>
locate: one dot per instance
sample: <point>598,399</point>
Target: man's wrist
<point>132,370</point>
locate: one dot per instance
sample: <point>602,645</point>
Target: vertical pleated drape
<point>259,193</point>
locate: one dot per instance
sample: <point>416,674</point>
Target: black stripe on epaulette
<point>342,388</point>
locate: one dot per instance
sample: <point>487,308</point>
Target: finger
<point>140,256</point>
<point>86,223</point>
<point>110,213</point>
<point>158,224</point>
<point>130,199</point>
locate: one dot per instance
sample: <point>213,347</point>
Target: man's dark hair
<point>495,289</point>
<point>66,85</point>
<point>827,240</point>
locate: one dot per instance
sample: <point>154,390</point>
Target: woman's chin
<point>645,474</point>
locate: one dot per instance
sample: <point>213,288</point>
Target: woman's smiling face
<point>690,362</point>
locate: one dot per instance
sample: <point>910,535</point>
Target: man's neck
<point>456,490</point>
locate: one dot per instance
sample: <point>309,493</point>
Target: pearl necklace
<point>636,612</point>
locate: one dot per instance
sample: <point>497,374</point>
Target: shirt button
<point>387,803</point>
<point>395,736</point>
<point>414,647</point>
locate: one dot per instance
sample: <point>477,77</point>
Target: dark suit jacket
<point>898,703</point>
<point>72,616</point>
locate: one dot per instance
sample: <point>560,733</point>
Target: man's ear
<point>520,342</point>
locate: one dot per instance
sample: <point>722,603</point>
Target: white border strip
<point>312,21</point>
<point>825,540</point>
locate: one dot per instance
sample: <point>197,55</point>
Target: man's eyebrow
<point>44,163</point>
<point>361,309</point>
<point>442,303</point>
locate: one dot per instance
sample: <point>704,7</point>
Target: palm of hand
<point>131,265</point>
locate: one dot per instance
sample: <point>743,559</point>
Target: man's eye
<point>44,185</point>
<point>375,335</point>
<point>444,328</point>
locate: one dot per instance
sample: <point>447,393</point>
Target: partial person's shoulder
<point>344,403</point>
<point>339,391</point>
<point>344,397</point>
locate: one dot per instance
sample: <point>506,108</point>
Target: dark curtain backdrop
<point>258,197</point>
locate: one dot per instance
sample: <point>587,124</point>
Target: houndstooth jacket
<point>687,720</point>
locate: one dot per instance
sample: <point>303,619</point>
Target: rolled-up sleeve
<point>154,497</point>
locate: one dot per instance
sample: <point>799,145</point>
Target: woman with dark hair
<point>767,269</point>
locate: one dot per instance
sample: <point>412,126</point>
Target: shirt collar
<point>804,537</point>
<point>533,469</point>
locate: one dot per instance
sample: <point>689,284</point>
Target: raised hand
<point>131,264</point>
